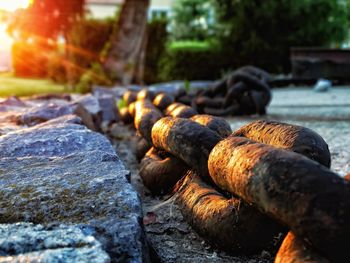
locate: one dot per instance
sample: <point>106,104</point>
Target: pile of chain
<point>245,91</point>
<point>248,190</point>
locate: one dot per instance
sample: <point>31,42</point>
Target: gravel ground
<point>169,234</point>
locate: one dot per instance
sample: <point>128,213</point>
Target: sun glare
<point>5,39</point>
<point>12,5</point>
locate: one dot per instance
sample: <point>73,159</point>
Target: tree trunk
<point>127,41</point>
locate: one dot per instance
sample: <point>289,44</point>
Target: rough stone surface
<point>108,109</point>
<point>26,242</point>
<point>12,104</point>
<point>88,188</point>
<point>71,118</point>
<point>44,112</point>
<point>52,140</point>
<point>102,109</point>
<point>68,174</point>
<point>99,91</point>
<point>90,103</point>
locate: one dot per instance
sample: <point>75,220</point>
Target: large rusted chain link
<point>284,185</point>
<point>218,125</point>
<point>295,249</point>
<point>228,223</point>
<point>160,171</point>
<point>155,168</point>
<point>298,192</point>
<point>187,140</point>
<point>179,110</point>
<point>146,115</point>
<point>208,211</point>
<point>142,147</point>
<point>230,214</point>
<point>163,100</point>
<point>289,137</point>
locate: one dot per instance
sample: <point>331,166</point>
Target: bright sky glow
<point>5,39</point>
<point>12,5</point>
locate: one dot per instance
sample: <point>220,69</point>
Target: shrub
<point>191,61</point>
<point>56,69</point>
<point>191,19</point>
<point>262,32</point>
<point>29,60</point>
<point>95,75</point>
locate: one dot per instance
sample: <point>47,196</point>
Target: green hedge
<point>191,60</point>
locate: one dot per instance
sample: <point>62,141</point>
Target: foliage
<point>28,60</point>
<point>46,19</point>
<point>191,61</point>
<point>86,41</point>
<point>94,76</point>
<point>187,85</point>
<point>191,19</point>
<point>122,104</point>
<point>56,68</point>
<point>157,39</point>
<point>262,32</point>
<point>190,45</point>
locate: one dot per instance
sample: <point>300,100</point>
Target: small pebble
<point>170,243</point>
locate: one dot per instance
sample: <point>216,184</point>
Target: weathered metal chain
<point>240,190</point>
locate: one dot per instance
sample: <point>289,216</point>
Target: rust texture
<point>129,97</point>
<point>307,197</point>
<point>290,137</point>
<point>142,147</point>
<point>146,94</point>
<point>217,124</point>
<point>160,171</point>
<point>125,116</point>
<point>146,115</point>
<point>187,140</point>
<point>295,250</point>
<point>163,100</point>
<point>180,110</point>
<point>230,224</point>
<point>132,109</point>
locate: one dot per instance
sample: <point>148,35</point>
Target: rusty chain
<point>241,189</point>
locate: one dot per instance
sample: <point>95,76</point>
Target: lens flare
<point>12,5</point>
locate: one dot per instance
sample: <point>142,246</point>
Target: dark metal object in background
<point>315,63</point>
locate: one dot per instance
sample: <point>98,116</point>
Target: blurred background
<point>66,45</point>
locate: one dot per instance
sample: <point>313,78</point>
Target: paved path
<point>326,113</point>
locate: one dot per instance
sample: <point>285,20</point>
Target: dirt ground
<point>171,237</point>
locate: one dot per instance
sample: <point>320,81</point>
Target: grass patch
<point>190,45</point>
<point>13,86</point>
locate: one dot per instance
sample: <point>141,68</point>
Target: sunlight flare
<point>12,5</point>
